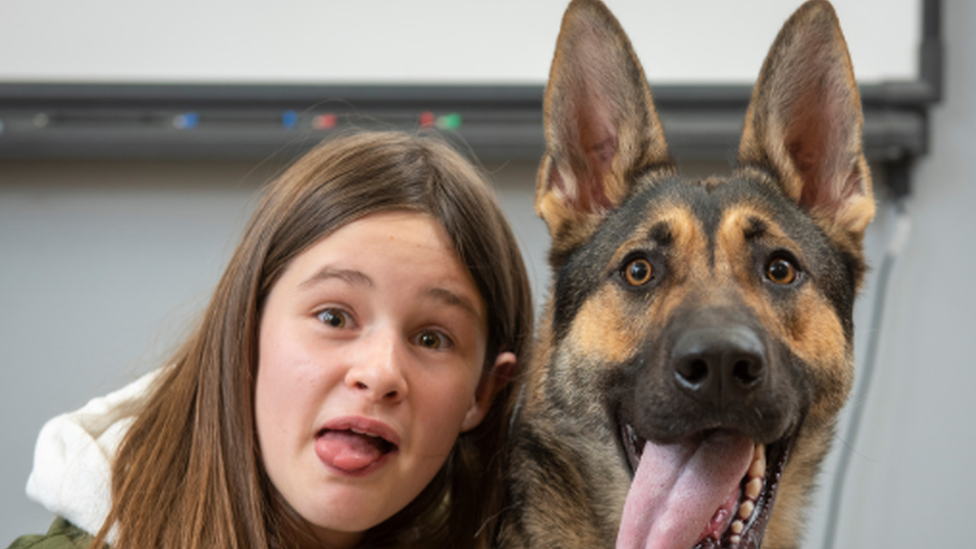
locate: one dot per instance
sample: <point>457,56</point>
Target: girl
<point>338,392</point>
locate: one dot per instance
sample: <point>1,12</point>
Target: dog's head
<point>715,315</point>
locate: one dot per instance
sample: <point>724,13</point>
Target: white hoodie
<point>73,457</point>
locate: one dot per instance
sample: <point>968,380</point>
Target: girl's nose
<point>378,372</point>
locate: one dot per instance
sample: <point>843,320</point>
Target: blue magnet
<point>186,121</point>
<point>289,119</point>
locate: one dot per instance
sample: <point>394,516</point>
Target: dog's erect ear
<point>805,122</point>
<point>600,124</point>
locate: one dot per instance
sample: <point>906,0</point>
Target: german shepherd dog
<point>697,345</point>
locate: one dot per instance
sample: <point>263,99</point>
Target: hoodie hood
<point>72,474</point>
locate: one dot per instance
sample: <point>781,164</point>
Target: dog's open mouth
<point>713,490</point>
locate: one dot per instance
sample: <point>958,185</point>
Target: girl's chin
<point>337,539</point>
<point>346,512</point>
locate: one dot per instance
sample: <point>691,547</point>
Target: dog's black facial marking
<point>661,234</point>
<point>703,201</point>
<point>756,228</point>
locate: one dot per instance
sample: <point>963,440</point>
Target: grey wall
<point>101,267</point>
<point>103,264</point>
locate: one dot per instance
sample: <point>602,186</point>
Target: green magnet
<point>449,121</point>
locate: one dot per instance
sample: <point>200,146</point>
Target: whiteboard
<point>413,42</point>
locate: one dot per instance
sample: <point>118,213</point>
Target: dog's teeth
<point>746,509</point>
<point>635,440</point>
<point>748,506</point>
<point>758,467</point>
<point>757,470</point>
<point>753,488</point>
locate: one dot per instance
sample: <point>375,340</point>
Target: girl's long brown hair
<point>189,473</point>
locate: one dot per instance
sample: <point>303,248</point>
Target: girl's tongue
<point>677,489</point>
<point>349,451</point>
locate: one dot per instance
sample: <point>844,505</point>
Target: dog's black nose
<point>719,365</point>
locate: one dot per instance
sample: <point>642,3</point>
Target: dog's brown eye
<point>781,271</point>
<point>638,272</point>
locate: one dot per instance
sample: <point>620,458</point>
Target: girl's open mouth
<point>355,447</point>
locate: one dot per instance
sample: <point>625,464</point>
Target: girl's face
<point>371,351</point>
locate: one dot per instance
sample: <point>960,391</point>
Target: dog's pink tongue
<point>347,450</point>
<point>678,487</point>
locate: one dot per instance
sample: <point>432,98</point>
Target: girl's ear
<point>484,395</point>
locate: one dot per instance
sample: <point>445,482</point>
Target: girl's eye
<point>781,271</point>
<point>638,272</point>
<point>335,318</point>
<point>433,340</point>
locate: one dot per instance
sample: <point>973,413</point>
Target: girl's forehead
<point>385,236</point>
<point>409,250</point>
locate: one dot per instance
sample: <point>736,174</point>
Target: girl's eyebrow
<point>449,298</point>
<point>352,276</point>
<point>349,276</point>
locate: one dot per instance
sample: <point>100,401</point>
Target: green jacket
<point>61,535</point>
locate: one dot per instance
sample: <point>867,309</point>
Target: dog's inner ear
<point>805,121</point>
<point>600,123</point>
<point>590,150</point>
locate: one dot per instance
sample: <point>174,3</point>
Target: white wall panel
<point>419,41</point>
